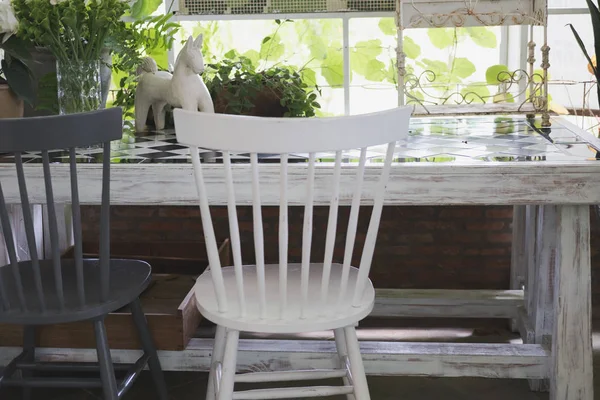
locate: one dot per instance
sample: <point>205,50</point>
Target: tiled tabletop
<point>439,139</point>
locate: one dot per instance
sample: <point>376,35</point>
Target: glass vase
<point>79,86</point>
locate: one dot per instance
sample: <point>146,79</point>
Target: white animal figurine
<point>184,88</point>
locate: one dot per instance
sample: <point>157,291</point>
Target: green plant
<point>595,15</point>
<point>238,87</point>
<point>147,36</point>
<point>13,68</point>
<point>73,30</point>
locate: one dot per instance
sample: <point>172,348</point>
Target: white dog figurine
<point>185,88</point>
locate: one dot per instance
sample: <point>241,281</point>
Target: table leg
<point>15,213</point>
<point>517,264</point>
<point>571,366</point>
<point>545,264</point>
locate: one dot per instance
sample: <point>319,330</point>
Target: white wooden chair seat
<point>284,297</point>
<point>318,316</point>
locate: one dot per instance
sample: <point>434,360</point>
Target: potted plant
<point>237,87</point>
<point>15,79</point>
<point>75,32</point>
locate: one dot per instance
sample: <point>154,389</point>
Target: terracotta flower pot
<point>10,105</point>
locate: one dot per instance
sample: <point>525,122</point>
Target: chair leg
<point>217,357</point>
<point>107,372</point>
<point>149,348</point>
<point>340,344</point>
<point>29,346</point>
<point>359,378</point>
<point>229,365</point>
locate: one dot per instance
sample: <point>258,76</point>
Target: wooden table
<point>550,176</point>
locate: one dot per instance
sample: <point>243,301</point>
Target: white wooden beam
<point>509,183</point>
<point>439,303</point>
<point>380,358</point>
<point>517,261</point>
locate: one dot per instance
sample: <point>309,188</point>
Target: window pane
<point>568,65</point>
<point>459,58</point>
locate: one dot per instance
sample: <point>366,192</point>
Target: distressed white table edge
<point>551,257</point>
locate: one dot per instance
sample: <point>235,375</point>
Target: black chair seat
<point>128,279</point>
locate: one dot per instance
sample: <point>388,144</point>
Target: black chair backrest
<point>65,132</point>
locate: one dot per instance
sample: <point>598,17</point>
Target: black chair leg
<point>149,348</point>
<point>107,371</point>
<point>28,346</point>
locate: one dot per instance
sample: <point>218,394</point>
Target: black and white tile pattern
<point>440,139</point>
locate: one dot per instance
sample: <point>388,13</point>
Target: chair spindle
<point>28,222</point>
<point>234,232</point>
<point>209,233</point>
<point>259,249</point>
<point>369,248</point>
<point>352,225</point>
<point>283,235</point>
<point>78,237</point>
<point>105,224</point>
<point>307,234</point>
<point>331,227</point>
<point>12,256</point>
<point>53,226</point>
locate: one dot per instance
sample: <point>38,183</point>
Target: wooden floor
<point>192,386</point>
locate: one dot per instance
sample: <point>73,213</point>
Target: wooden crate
<point>169,305</point>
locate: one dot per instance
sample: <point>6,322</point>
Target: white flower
<point>8,21</point>
<point>55,2</point>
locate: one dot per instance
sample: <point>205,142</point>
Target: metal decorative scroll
<point>513,85</point>
<point>458,13</point>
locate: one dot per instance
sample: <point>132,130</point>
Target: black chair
<point>54,290</point>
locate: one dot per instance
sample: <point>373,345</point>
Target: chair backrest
<point>43,134</point>
<point>254,135</point>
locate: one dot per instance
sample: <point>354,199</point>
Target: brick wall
<point>418,247</point>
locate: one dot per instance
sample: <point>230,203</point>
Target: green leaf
<point>253,56</point>
<point>144,8</point>
<point>483,37</point>
<point>333,68</point>
<point>583,49</point>
<point>496,74</point>
<point>439,68</point>
<point>375,71</point>
<point>272,48</point>
<point>411,48</point>
<point>595,15</point>
<point>368,48</point>
<point>463,67</point>
<point>475,93</point>
<point>441,37</point>
<point>387,26</point>
<point>317,47</point>
<point>231,54</point>
<point>309,76</point>
<point>19,80</point>
<point>363,59</point>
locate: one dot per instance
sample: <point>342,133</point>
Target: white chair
<point>286,297</point>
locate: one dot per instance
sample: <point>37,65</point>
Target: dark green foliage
<point>238,87</point>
